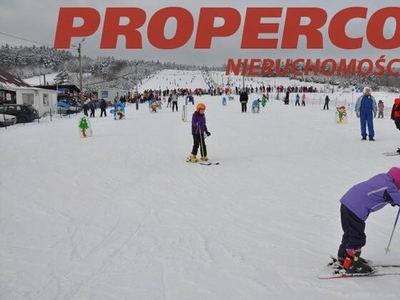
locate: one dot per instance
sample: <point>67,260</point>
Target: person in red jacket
<point>395,115</point>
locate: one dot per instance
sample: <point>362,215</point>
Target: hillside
<point>26,62</point>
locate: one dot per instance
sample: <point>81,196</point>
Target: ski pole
<point>394,227</point>
<point>202,138</point>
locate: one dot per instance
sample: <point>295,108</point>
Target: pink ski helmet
<point>395,173</point>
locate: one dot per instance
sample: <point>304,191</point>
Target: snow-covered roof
<point>9,82</point>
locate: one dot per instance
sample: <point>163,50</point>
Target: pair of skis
<point>391,153</point>
<point>208,163</point>
<point>204,163</point>
<point>394,153</point>
<point>378,270</point>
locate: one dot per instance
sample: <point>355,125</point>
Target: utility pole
<point>80,71</point>
<point>243,75</point>
<point>352,101</point>
<point>136,72</point>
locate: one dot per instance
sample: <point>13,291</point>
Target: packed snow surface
<point>121,215</point>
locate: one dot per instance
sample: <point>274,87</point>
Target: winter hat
<point>200,106</point>
<point>367,90</point>
<point>395,173</point>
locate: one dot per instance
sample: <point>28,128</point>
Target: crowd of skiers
<point>91,105</point>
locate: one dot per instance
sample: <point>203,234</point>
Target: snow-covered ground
<point>42,79</point>
<point>121,215</point>
<point>171,79</point>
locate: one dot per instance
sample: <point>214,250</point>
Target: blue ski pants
<point>366,119</point>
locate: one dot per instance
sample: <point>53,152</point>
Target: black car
<point>25,113</point>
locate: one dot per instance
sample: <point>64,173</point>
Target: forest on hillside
<point>108,71</point>
<point>105,71</point>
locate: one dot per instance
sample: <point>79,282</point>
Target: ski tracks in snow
<point>112,248</point>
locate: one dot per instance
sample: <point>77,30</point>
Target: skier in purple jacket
<point>356,205</point>
<point>199,128</point>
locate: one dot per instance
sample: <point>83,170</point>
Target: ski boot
<point>193,158</point>
<point>338,263</point>
<point>204,158</point>
<point>353,264</point>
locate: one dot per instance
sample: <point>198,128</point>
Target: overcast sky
<point>36,21</point>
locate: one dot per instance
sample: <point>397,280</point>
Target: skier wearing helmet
<point>199,128</point>
<point>356,205</point>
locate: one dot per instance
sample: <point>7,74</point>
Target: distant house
<point>65,92</point>
<point>8,85</point>
<point>109,94</point>
<point>43,100</point>
<point>14,90</point>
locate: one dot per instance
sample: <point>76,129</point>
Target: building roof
<point>71,87</point>
<point>9,82</point>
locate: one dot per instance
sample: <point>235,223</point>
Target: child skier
<point>199,127</point>
<point>297,100</point>
<point>255,106</point>
<point>356,205</point>
<point>381,108</point>
<point>153,107</point>
<point>264,100</point>
<point>303,100</point>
